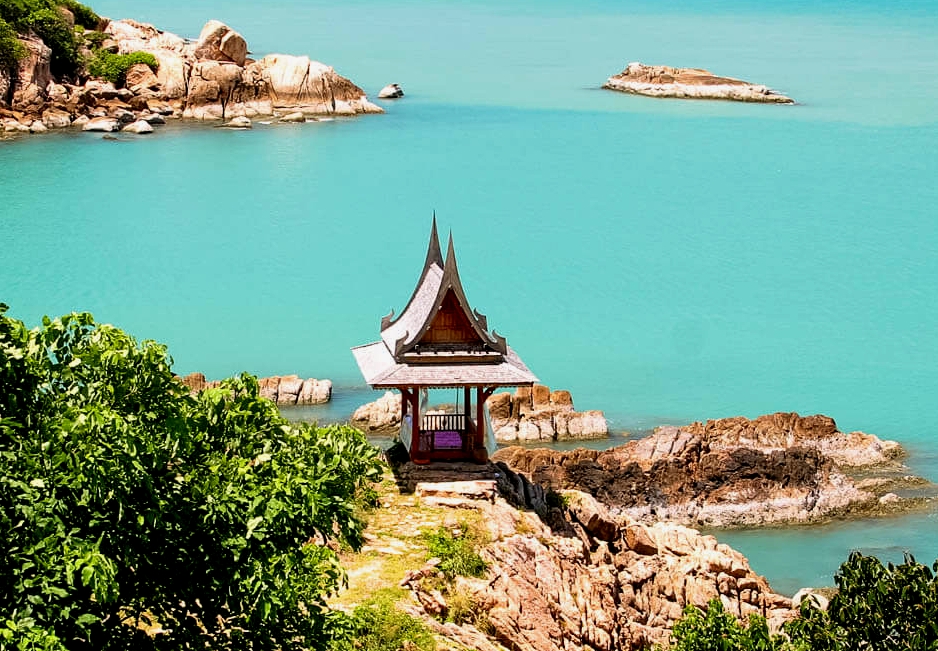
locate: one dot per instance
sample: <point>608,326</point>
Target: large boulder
<point>106,124</point>
<point>539,414</point>
<point>219,42</point>
<point>312,87</point>
<point>382,415</point>
<point>56,118</point>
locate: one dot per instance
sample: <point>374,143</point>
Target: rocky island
<point>209,78</point>
<point>286,390</point>
<point>690,83</point>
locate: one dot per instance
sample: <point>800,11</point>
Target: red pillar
<point>418,454</point>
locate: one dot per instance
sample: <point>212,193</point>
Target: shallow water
<point>666,261</point>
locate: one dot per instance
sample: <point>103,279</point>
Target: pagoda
<point>440,342</point>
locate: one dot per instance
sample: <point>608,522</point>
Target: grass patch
<point>456,551</point>
<point>379,625</point>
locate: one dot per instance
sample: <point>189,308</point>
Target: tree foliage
<point>877,607</point>
<point>134,515</point>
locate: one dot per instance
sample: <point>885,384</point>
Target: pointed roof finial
<point>434,255</point>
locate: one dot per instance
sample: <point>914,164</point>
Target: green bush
<point>457,554</point>
<point>877,607</point>
<point>11,50</point>
<point>84,15</point>
<point>718,630</point>
<point>113,67</point>
<point>124,499</point>
<point>378,625</point>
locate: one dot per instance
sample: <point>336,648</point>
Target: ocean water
<point>666,261</point>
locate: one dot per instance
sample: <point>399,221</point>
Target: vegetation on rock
<point>113,67</point>
<point>134,515</point>
<point>378,625</point>
<point>44,18</point>
<point>457,553</point>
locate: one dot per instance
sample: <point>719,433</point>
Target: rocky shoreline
<point>777,469</point>
<point>286,390</point>
<point>211,78</point>
<point>690,83</point>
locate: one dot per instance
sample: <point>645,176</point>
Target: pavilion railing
<point>444,423</point>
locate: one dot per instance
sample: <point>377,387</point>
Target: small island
<point>690,83</point>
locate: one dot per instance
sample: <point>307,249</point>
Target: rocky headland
<point>209,78</point>
<point>690,83</point>
<point>283,390</point>
<point>777,469</point>
<point>529,414</point>
<point>564,572</point>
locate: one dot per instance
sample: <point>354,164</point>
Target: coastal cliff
<point>690,83</point>
<point>563,571</point>
<point>210,78</point>
<point>780,468</point>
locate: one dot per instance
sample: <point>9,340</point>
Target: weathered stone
<point>140,126</point>
<point>102,124</point>
<point>38,127</point>
<point>219,42</point>
<point>240,122</point>
<point>141,76</point>
<point>56,118</point>
<point>382,415</point>
<point>293,117</point>
<point>537,413</point>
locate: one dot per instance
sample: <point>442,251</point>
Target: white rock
<point>239,123</point>
<point>294,117</point>
<point>38,127</point>
<point>140,126</point>
<point>102,124</point>
<point>81,121</point>
<point>391,91</point>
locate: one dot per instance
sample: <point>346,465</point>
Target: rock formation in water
<point>690,83</point>
<point>283,390</point>
<point>530,414</point>
<point>539,414</point>
<point>573,575</point>
<point>780,468</point>
<point>209,79</point>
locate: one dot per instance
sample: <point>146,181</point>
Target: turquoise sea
<point>666,261</point>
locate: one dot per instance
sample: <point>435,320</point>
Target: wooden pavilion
<point>440,342</point>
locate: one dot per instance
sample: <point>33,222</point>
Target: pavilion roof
<point>400,358</point>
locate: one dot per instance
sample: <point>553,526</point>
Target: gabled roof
<point>437,279</point>
<point>402,358</point>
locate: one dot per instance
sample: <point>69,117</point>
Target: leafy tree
<point>11,50</point>
<point>134,515</point>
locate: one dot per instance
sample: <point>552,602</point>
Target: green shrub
<point>123,498</point>
<point>93,40</point>
<point>877,607</point>
<point>457,554</point>
<point>718,630</point>
<point>113,67</point>
<point>11,50</point>
<point>84,15</point>
<point>378,625</point>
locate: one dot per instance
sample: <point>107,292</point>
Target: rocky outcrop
<point>530,414</point>
<point>283,390</point>
<point>675,475</point>
<point>383,416</point>
<point>539,414</point>
<point>391,91</point>
<point>577,576</point>
<point>210,79</point>
<point>690,83</point>
<point>784,430</point>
